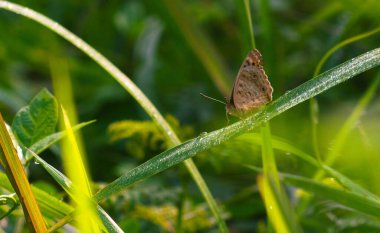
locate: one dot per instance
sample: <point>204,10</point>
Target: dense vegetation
<point>307,162</point>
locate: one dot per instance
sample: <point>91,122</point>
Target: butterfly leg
<point>228,120</point>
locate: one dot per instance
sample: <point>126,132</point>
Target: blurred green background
<point>149,41</point>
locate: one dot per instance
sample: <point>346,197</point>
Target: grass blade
<point>15,172</point>
<point>347,198</point>
<point>349,124</point>
<point>313,101</point>
<point>278,208</point>
<point>203,142</point>
<point>50,206</point>
<point>355,200</point>
<point>69,188</point>
<point>75,167</point>
<point>349,184</point>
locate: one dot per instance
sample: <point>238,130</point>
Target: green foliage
<point>37,120</point>
<point>145,135</point>
<point>174,50</point>
<point>8,204</point>
<point>49,140</point>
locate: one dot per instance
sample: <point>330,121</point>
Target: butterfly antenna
<point>212,98</point>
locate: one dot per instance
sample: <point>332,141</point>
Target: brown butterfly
<point>251,89</point>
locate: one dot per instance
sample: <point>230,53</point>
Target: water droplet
<point>203,134</point>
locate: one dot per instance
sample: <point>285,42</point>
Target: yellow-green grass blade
<point>279,211</point>
<point>69,188</point>
<point>86,218</point>
<point>64,94</point>
<point>15,172</point>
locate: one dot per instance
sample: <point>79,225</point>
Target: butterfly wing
<point>252,88</point>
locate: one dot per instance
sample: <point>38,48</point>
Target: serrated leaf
<point>37,120</point>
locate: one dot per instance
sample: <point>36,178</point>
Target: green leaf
<point>51,206</point>
<point>37,120</point>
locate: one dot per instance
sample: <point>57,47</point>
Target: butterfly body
<point>251,89</point>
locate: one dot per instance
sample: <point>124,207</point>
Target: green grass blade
<point>268,47</point>
<point>69,188</point>
<point>350,40</point>
<point>349,184</point>
<point>50,206</point>
<point>290,99</point>
<point>247,7</point>
<point>347,198</point>
<point>355,200</point>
